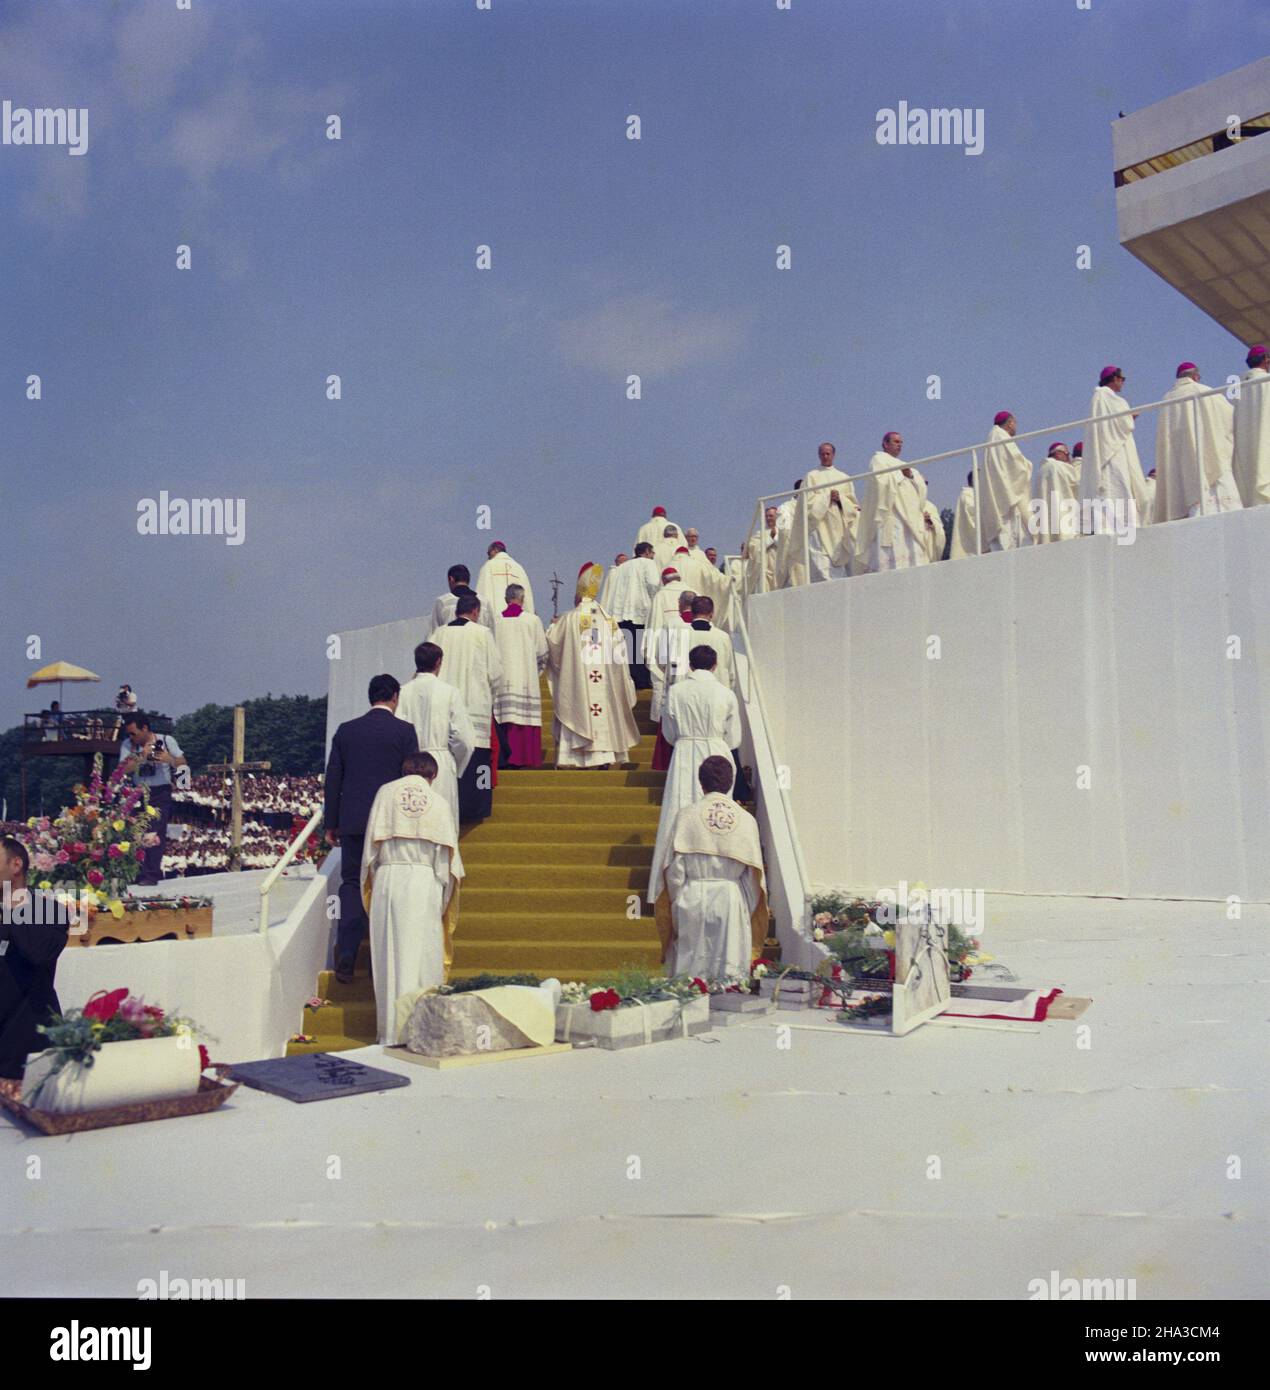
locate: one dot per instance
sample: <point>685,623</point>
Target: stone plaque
<point>317,1076</point>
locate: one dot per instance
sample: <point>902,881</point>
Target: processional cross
<point>235,769</point>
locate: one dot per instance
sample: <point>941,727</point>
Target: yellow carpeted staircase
<point>551,880</point>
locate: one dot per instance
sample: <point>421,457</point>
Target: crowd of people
<point>263,794</point>
<point>1212,454</point>
<point>207,849</point>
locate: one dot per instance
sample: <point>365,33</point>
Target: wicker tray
<point>211,1095</point>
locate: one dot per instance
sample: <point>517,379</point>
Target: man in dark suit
<point>33,929</point>
<point>365,753</point>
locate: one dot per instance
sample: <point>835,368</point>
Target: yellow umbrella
<point>59,671</point>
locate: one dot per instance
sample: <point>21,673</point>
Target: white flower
<point>760,971</point>
<point>818,934</point>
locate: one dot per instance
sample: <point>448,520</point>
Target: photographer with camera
<point>150,758</point>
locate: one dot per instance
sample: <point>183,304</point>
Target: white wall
<point>367,652</point>
<point>962,771</point>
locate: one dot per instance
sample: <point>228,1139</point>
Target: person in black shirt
<point>33,931</point>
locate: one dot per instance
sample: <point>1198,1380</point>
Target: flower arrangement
<point>77,1035</point>
<point>158,904</point>
<point>857,932</point>
<point>93,850</point>
<point>631,986</point>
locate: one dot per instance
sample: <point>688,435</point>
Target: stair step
<point>638,813</point>
<point>512,855</point>
<point>564,959</point>
<point>332,1044</point>
<point>601,902</point>
<point>612,777</point>
<point>572,791</point>
<point>497,874</point>
<point>592,927</point>
<point>590,831</point>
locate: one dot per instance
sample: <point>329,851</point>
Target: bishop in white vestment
<point>711,903</point>
<point>1111,472</point>
<point>522,650</point>
<point>701,718</point>
<point>1005,486</point>
<point>590,682</point>
<point>1055,504</point>
<point>441,722</point>
<point>791,563</point>
<point>473,667</point>
<point>1194,451</point>
<point>1252,431</point>
<point>410,875</point>
<point>654,529</point>
<point>496,574</point>
<point>893,523</point>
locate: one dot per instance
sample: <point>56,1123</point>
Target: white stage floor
<point>761,1168</point>
<point>236,896</point>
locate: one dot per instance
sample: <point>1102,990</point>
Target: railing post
<point>974,473</point>
<point>802,508</point>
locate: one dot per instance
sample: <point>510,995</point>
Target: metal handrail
<point>754,692</point>
<point>290,853</point>
<point>974,449</point>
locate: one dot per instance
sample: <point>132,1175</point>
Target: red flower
<point>95,877</point>
<point>105,1006</point>
<point>965,972</point>
<point>702,987</point>
<point>204,1058</point>
<point>605,999</point>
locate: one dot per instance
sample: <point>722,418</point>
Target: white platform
<point>246,989</point>
<point>963,770</point>
<point>761,1167</point>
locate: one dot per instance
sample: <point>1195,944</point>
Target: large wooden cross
<point>235,769</point>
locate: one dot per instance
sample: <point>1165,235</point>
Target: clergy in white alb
<point>711,908</point>
<point>473,667</point>
<point>963,536</point>
<point>935,535</point>
<point>760,555</point>
<point>701,718</point>
<point>699,575</point>
<point>627,597</point>
<point>496,574</point>
<point>654,528</point>
<point>791,562</point>
<point>1005,488</point>
<point>1252,431</point>
<point>663,612</point>
<point>591,682</point>
<point>668,654</point>
<point>441,722</point>
<point>443,610</point>
<point>410,877</point>
<point>522,653</point>
<point>1194,451</point>
<point>832,517</point>
<point>1055,505</point>
<point>1111,473</point>
<point>892,530</point>
<point>667,545</point>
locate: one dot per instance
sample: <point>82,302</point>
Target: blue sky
<point>506,388</point>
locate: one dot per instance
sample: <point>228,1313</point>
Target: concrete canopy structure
<point>1193,195</point>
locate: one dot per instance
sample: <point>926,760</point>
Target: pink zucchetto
<point>1254,352</point>
<point>659,511</point>
<point>668,571</point>
<point>1184,367</point>
<point>1106,374</point>
<point>1002,416</point>
<point>1057,444</point>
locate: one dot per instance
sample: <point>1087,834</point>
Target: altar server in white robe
<point>1111,472</point>
<point>498,571</point>
<point>711,903</point>
<point>1194,451</point>
<point>701,718</point>
<point>661,646</point>
<point>699,575</point>
<point>473,667</point>
<point>410,876</point>
<point>963,537</point>
<point>590,682</point>
<point>892,530</point>
<point>1055,507</point>
<point>1252,431</point>
<point>832,517</point>
<point>791,563</point>
<point>441,722</point>
<point>522,651</point>
<point>458,577</point>
<point>654,529</point>
<point>1005,488</point>
<point>627,597</point>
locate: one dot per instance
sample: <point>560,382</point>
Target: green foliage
<point>49,781</point>
<point>487,982</point>
<point>288,731</point>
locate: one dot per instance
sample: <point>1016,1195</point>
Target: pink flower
<point>44,862</point>
<point>63,857</point>
<point>96,852</point>
<point>114,852</point>
<point>95,877</point>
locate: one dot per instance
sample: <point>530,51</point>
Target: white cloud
<point>649,336</point>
